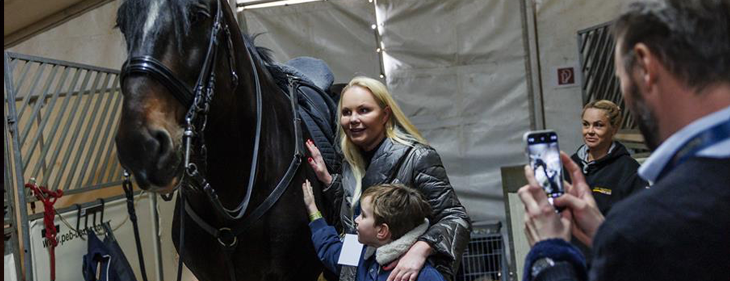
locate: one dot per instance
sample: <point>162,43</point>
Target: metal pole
<point>532,64</point>
<point>20,187</point>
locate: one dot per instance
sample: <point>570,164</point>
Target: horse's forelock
<point>133,13</point>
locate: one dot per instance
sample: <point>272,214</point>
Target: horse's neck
<point>230,139</point>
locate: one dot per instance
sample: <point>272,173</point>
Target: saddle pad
<point>317,111</point>
<point>313,70</point>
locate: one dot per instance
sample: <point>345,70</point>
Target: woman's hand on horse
<point>410,264</point>
<point>317,164</point>
<point>309,197</point>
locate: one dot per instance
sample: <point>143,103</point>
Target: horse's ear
<point>335,91</point>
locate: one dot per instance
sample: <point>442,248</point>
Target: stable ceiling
<point>26,18</point>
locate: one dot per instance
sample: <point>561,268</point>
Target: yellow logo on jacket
<point>603,190</point>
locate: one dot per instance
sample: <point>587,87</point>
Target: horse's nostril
<point>163,140</point>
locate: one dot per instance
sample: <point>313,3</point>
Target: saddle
<point>317,109</point>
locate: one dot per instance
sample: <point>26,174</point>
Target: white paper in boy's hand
<point>351,250</point>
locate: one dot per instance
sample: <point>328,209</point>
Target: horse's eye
<point>198,15</point>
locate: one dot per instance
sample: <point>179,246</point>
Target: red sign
<point>566,76</point>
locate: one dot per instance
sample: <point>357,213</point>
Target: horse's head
<point>168,46</point>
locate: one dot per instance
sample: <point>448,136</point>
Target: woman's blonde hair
<point>613,112</point>
<point>398,128</point>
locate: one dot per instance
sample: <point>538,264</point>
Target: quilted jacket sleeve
<point>333,196</point>
<point>449,233</point>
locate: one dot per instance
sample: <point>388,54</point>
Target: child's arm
<point>324,237</point>
<point>327,244</point>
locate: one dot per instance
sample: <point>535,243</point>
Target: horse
<point>201,103</point>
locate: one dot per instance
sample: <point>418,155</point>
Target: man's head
<point>388,212</point>
<point>667,43</point>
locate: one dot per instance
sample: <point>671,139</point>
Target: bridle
<point>198,101</point>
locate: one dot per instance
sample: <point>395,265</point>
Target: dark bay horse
<point>190,71</point>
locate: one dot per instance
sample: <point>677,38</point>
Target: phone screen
<point>544,157</point>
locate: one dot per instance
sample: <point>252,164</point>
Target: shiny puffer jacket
<point>450,228</point>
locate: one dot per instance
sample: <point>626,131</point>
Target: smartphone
<point>543,154</point>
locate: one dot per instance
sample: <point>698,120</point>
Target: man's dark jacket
<point>679,229</point>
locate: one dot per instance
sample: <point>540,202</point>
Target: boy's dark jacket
<point>328,246</point>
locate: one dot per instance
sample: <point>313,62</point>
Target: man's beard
<point>644,117</point>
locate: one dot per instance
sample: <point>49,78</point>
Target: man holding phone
<point>673,60</point>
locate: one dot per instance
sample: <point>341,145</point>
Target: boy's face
<point>367,231</point>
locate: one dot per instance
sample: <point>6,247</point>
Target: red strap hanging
<point>48,198</point>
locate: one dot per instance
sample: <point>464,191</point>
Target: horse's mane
<point>265,56</point>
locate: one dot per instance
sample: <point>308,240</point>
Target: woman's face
<point>597,130</point>
<point>362,119</point>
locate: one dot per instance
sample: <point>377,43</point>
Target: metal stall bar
<point>110,146</point>
<point>74,136</point>
<point>55,125</point>
<point>103,126</point>
<point>89,131</point>
<point>110,129</point>
<point>84,127</point>
<point>67,127</point>
<point>10,225</point>
<point>37,90</point>
<point>42,121</point>
<point>19,180</point>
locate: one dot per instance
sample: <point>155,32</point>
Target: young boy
<point>392,218</point>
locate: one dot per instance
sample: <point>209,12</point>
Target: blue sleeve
<point>558,250</point>
<point>327,244</point>
<point>429,273</point>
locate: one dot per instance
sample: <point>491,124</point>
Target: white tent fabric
<point>336,31</point>
<point>455,67</point>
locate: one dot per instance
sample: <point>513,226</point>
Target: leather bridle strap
<point>149,65</point>
<point>227,237</point>
<point>212,195</point>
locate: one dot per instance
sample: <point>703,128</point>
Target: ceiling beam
<point>51,21</point>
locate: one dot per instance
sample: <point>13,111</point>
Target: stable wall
<point>557,25</point>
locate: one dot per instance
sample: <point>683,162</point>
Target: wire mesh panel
<point>484,258</point>
<point>60,119</point>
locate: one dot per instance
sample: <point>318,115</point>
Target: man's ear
<point>383,232</point>
<point>647,66</point>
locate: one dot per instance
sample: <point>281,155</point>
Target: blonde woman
<point>607,165</point>
<point>380,145</point>
<point>608,168</point>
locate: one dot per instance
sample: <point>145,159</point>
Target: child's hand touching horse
<point>308,196</point>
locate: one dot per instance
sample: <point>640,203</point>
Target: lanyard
<point>700,141</point>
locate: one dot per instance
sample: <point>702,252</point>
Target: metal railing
<point>485,256</point>
<point>60,118</point>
